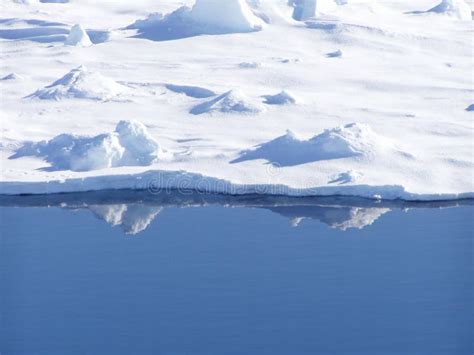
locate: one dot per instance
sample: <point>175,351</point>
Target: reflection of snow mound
<point>342,218</point>
<point>78,37</point>
<point>354,139</point>
<point>282,98</point>
<point>205,17</point>
<point>81,83</point>
<point>233,101</point>
<point>356,218</point>
<point>133,219</point>
<point>456,8</point>
<point>129,145</point>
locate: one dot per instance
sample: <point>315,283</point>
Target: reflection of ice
<point>134,210</point>
<point>341,218</point>
<point>132,218</point>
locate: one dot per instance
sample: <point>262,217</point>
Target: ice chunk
<point>140,147</point>
<point>225,15</point>
<point>205,17</point>
<point>306,9</point>
<point>78,37</point>
<point>456,8</point>
<point>129,145</point>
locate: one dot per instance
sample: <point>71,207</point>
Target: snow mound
<point>249,65</point>
<point>455,8</point>
<point>78,37</point>
<point>205,17</point>
<point>352,140</point>
<point>233,101</point>
<point>129,145</point>
<point>282,98</point>
<point>11,76</point>
<point>83,84</point>
<point>191,91</point>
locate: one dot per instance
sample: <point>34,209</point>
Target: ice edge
<point>158,180</point>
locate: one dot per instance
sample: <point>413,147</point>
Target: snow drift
<point>205,17</point>
<point>352,140</point>
<point>83,84</point>
<point>78,37</point>
<point>129,145</point>
<point>233,101</point>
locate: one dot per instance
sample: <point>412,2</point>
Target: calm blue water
<point>220,280</point>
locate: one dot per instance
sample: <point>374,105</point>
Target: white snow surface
<point>391,118</point>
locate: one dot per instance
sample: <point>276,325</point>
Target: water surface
<point>128,273</point>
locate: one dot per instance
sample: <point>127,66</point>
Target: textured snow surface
<point>363,97</point>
